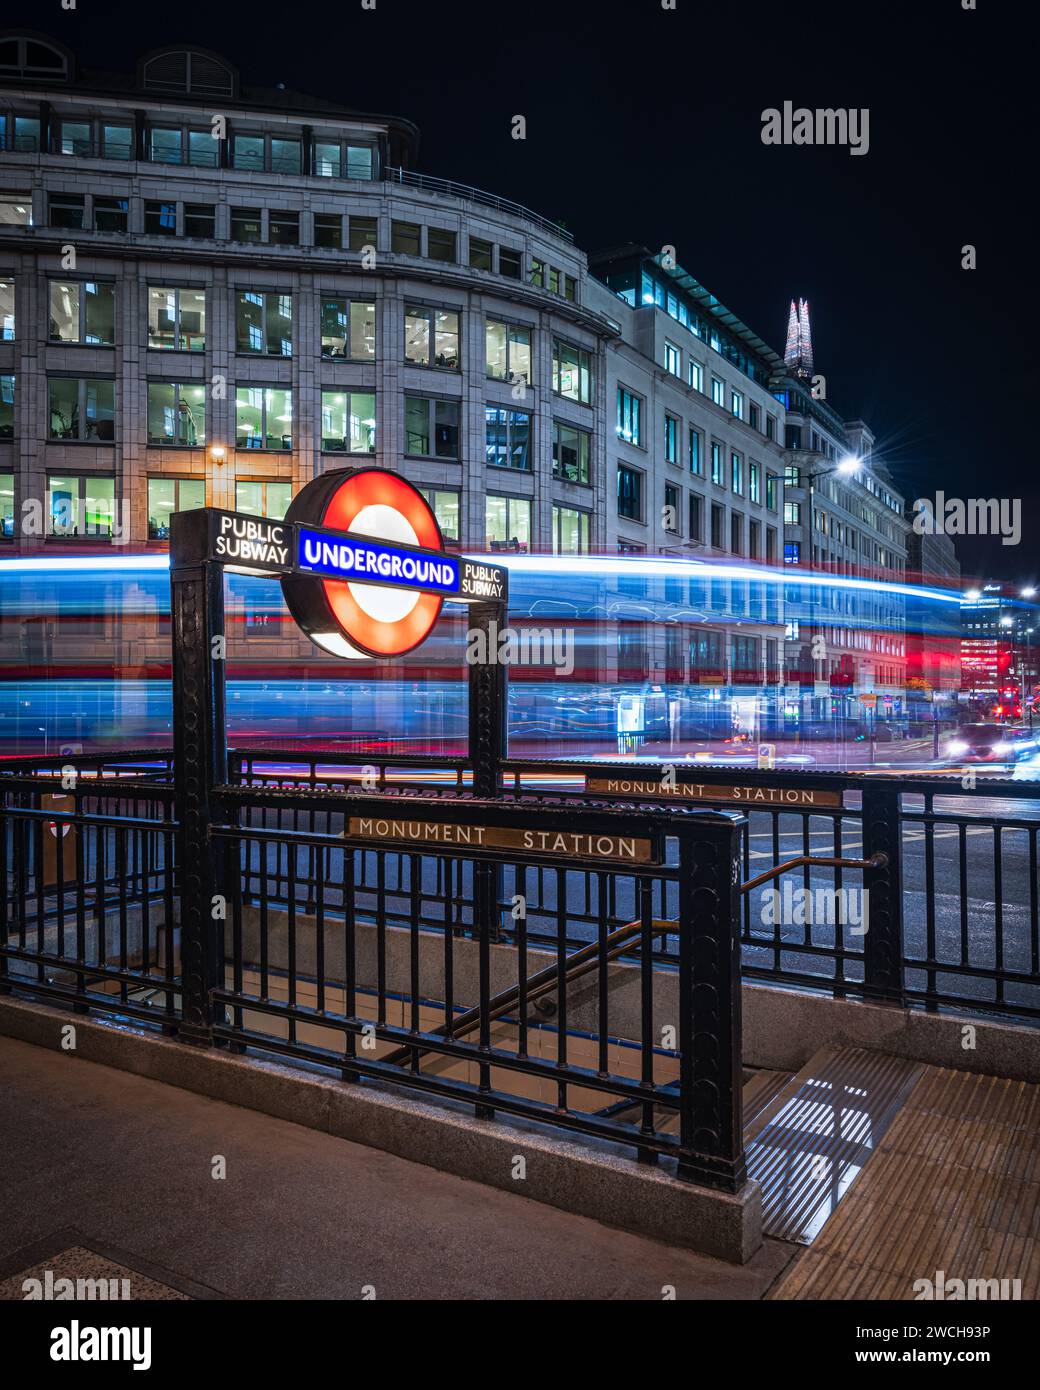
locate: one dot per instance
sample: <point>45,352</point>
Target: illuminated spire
<point>791,350</point>
<point>798,354</point>
<point>804,338</point>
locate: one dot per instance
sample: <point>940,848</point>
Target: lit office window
<point>348,422</point>
<point>736,402</point>
<point>445,505</point>
<point>508,438</point>
<point>718,391</point>
<point>16,210</point>
<point>348,330</point>
<point>176,319</point>
<point>572,372</point>
<point>736,464</point>
<point>176,413</point>
<point>259,497</point>
<point>263,417</point>
<point>6,311</point>
<point>169,495</point>
<point>6,505</point>
<point>572,452</point>
<point>570,531</point>
<point>80,504</point>
<point>431,428</point>
<point>263,323</point>
<point>431,337</point>
<point>672,359</point>
<point>792,513</point>
<point>507,351</point>
<point>507,523</point>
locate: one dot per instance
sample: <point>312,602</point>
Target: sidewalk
<point>127,1163</point>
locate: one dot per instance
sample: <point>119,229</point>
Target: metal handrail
<point>587,957</point>
<point>876,861</point>
<point>544,982</point>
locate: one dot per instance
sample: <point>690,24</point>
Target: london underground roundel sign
<point>338,601</point>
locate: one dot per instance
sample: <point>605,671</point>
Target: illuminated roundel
<point>364,619</point>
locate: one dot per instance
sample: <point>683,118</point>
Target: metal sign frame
<point>197,565</point>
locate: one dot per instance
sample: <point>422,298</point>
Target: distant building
<point>933,640</point>
<point>843,518</point>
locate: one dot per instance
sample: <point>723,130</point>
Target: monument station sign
<point>705,791</point>
<point>619,849</point>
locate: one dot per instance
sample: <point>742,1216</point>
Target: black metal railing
<point>448,188</point>
<point>88,905</point>
<point>952,920</point>
<point>393,978</point>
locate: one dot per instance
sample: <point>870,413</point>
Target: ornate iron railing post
<point>710,1039</point>
<point>200,763</point>
<point>883,888</point>
<point>487,742</point>
<point>487,697</point>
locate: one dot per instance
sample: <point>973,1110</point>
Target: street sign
<point>624,849</point>
<point>360,555</point>
<point>704,791</point>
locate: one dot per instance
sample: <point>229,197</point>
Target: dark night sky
<point>644,125</point>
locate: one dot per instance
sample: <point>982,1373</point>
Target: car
<point>992,743</point>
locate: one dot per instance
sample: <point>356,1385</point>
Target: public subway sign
<point>704,791</point>
<point>569,844</point>
<point>362,562</point>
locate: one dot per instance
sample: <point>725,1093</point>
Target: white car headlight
<point>956,747</point>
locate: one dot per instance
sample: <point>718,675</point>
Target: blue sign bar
<point>372,562</point>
